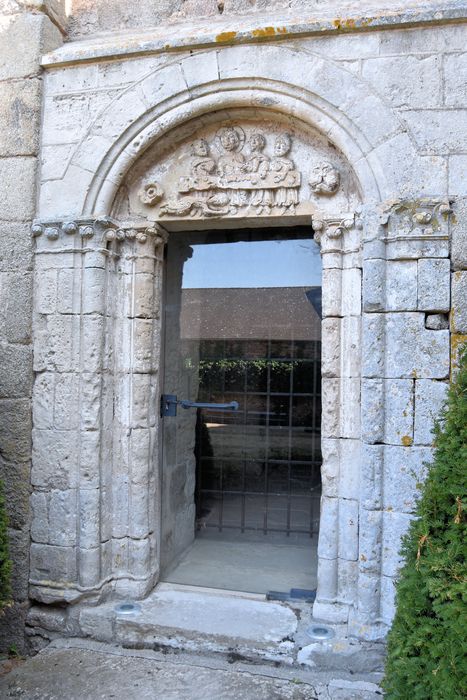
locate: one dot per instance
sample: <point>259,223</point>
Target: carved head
<point>257,142</point>
<point>200,148</point>
<point>229,138</point>
<point>324,179</point>
<point>282,145</point>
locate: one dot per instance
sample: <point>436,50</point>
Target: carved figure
<point>236,180</point>
<point>229,166</point>
<point>257,167</point>
<point>202,169</point>
<point>324,179</point>
<point>285,197</point>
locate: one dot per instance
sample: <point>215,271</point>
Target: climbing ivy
<point>427,650</point>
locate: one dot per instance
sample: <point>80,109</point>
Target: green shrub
<point>5,564</point>
<point>427,651</point>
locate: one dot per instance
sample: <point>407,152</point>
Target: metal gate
<point>258,468</point>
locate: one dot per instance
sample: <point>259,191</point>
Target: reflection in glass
<point>249,332</point>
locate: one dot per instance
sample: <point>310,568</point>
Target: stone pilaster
<point>85,318</point>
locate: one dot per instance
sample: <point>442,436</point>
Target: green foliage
<point>427,651</point>
<point>5,564</point>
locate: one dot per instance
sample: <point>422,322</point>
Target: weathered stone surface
<point>15,477</point>
<point>395,525</point>
<point>433,284</point>
<point>17,188</point>
<point>41,33</point>
<point>407,81</point>
<point>437,322</point>
<point>455,75</point>
<point>404,473</point>
<point>410,350</point>
<point>124,672</point>
<point>15,430</point>
<point>55,459</point>
<point>429,399</point>
<point>16,306</point>
<point>18,543</point>
<point>387,411</point>
<point>437,130</point>
<point>19,117</point>
<point>52,563</point>
<point>16,248</point>
<point>458,178</point>
<point>12,623</point>
<point>15,371</point>
<point>459,302</point>
<point>459,230</point>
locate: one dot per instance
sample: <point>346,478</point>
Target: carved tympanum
<point>233,173</point>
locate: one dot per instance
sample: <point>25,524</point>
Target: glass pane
<point>242,324</point>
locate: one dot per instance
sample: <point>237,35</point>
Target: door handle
<point>169,403</point>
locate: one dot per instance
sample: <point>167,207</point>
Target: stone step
<point>200,620</point>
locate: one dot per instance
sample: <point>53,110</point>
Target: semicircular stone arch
<point>323,95</point>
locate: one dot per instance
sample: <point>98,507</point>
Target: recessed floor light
<point>127,608</point>
<point>320,632</point>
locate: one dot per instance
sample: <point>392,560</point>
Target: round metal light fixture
<point>127,608</point>
<point>320,633</point>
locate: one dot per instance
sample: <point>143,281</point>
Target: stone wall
<point>25,34</point>
<point>91,16</point>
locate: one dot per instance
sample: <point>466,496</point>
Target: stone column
<point>340,241</point>
<point>93,358</point>
<point>405,356</point>
<point>134,478</point>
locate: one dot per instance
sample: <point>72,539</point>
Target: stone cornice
<point>185,35</point>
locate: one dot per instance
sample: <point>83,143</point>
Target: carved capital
<point>424,218</point>
<point>104,231</point>
<point>327,230</point>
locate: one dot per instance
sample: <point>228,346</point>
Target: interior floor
<point>247,562</point>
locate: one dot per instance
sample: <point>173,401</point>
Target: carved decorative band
<point>105,229</point>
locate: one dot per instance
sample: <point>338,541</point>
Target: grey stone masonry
<point>94,427</point>
<point>26,33</point>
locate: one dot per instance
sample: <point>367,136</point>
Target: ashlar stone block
<point>62,517</point>
<point>387,411</point>
<point>430,396</point>
<point>404,473</point>
<point>52,563</point>
<point>395,525</point>
<point>55,459</point>
<point>459,225</point>
<point>397,345</point>
<point>459,302</point>
<point>17,188</point>
<point>401,285</point>
<point>20,104</point>
<point>433,284</point>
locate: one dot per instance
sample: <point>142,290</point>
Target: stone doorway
<point>241,479</point>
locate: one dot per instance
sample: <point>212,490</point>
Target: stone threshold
<point>184,35</point>
<point>232,627</point>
